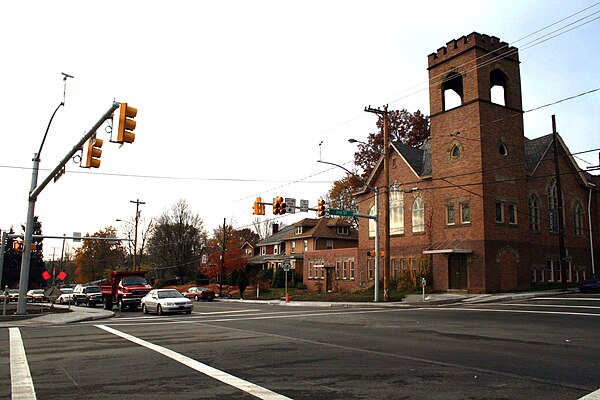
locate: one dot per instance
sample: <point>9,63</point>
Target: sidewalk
<point>79,314</point>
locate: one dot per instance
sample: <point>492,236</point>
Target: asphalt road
<point>534,349</point>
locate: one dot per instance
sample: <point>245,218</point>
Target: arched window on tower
<point>498,87</point>
<point>452,91</point>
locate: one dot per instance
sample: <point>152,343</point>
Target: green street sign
<point>343,213</point>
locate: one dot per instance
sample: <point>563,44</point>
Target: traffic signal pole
<point>32,198</point>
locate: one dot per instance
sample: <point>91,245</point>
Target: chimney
<point>275,228</point>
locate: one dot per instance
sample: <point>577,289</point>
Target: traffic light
<point>371,253</point>
<point>259,208</point>
<point>321,209</point>
<point>17,246</point>
<point>278,206</point>
<point>93,153</point>
<point>126,124</point>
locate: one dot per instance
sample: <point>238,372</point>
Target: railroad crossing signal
<point>126,124</point>
<point>94,152</point>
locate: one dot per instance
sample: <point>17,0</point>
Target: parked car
<point>13,294</point>
<point>590,285</point>
<point>66,296</point>
<point>199,293</point>
<point>88,295</point>
<point>36,295</point>
<point>166,300</point>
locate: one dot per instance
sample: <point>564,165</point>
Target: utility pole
<point>137,217</point>
<point>562,262</point>
<point>222,261</point>
<point>386,201</point>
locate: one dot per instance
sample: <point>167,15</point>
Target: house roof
<point>276,238</point>
<point>323,227</point>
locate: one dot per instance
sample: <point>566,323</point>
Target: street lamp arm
<point>47,129</point>
<point>374,189</point>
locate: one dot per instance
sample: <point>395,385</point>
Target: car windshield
<point>133,280</point>
<point>38,291</point>
<point>66,290</point>
<point>167,294</point>
<point>92,289</point>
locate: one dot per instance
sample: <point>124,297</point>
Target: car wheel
<point>210,299</point>
<point>159,310</point>
<point>196,297</point>
<point>87,303</point>
<point>60,301</point>
<point>122,307</point>
<point>144,309</point>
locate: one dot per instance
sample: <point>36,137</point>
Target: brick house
<point>476,206</point>
<point>269,252</point>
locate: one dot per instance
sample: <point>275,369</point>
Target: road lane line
<point>551,305</point>
<point>567,298</point>
<point>581,314</point>
<point>20,376</point>
<point>248,387</point>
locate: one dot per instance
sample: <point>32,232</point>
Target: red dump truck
<point>125,289</point>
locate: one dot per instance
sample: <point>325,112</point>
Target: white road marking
<point>197,314</point>
<point>592,396</point>
<point>552,305</point>
<point>247,317</point>
<point>511,311</point>
<point>248,387</point>
<point>20,376</point>
<point>567,298</point>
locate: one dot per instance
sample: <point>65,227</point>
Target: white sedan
<point>166,300</point>
<point>66,296</point>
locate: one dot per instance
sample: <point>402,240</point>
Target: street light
<point>375,217</point>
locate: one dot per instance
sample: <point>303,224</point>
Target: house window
<point>351,269</point>
<point>298,230</point>
<point>396,211</point>
<point>338,265</point>
<point>450,214</point>
<point>306,245</point>
<point>403,264</point>
<point>499,212</point>
<point>553,207</point>
<point>418,216</point>
<point>512,214</point>
<point>293,246</point>
<point>372,222</point>
<point>263,250</point>
<point>465,213</point>
<point>578,219</point>
<point>276,249</point>
<point>550,270</point>
<point>345,270</point>
<point>395,266</point>
<point>534,214</point>
<point>502,150</point>
<point>370,269</point>
<point>329,245</point>
<point>343,230</point>
<point>455,152</point>
<point>310,270</point>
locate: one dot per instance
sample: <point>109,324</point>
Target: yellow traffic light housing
<point>321,208</point>
<point>93,153</point>
<point>17,246</point>
<point>278,206</point>
<point>259,208</point>
<point>371,253</point>
<point>126,124</point>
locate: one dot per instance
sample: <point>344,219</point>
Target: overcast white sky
<point>234,97</point>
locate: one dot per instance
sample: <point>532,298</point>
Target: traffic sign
<point>286,267</point>
<point>342,213</point>
<point>290,205</point>
<point>303,205</point>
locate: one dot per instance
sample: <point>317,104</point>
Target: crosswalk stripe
<point>20,376</point>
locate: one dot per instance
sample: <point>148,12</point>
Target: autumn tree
<point>231,240</point>
<point>411,129</point>
<point>177,241</point>
<point>96,258</point>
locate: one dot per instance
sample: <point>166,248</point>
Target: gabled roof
<point>323,227</point>
<point>536,150</point>
<point>276,238</point>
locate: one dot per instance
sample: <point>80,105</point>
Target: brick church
<point>476,207</point>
